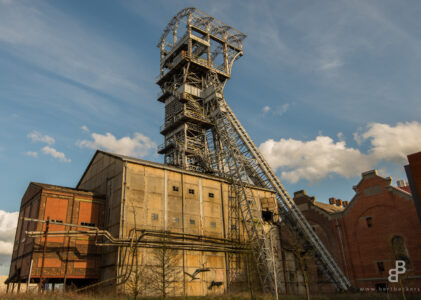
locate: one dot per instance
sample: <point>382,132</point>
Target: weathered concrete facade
<point>151,196</point>
<point>124,195</point>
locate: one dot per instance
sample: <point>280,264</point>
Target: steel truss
<point>203,134</point>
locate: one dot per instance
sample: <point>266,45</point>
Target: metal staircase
<point>251,165</point>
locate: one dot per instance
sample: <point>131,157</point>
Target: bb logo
<point>399,269</point>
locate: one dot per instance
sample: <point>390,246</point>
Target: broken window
<point>267,216</point>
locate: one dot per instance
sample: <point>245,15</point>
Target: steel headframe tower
<point>202,134</point>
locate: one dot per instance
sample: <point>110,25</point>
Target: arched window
<point>400,251</point>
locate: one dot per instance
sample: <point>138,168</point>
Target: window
<point>192,221</point>
<point>400,250</point>
<point>380,266</point>
<point>369,221</point>
<point>175,219</point>
<point>154,217</point>
<point>191,191</point>
<point>57,221</point>
<point>211,195</point>
<point>213,224</point>
<point>87,224</point>
<point>175,188</point>
<point>267,216</point>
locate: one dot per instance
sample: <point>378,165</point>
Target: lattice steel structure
<point>202,134</point>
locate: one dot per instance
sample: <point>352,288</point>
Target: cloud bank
<point>316,159</point>
<point>139,145</point>
<point>36,136</point>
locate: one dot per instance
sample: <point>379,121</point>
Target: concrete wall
<point>104,175</point>
<point>161,199</point>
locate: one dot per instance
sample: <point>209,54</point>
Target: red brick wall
<point>358,248</point>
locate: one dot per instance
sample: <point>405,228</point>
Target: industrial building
<point>215,216</point>
<point>120,194</point>
<point>60,259</point>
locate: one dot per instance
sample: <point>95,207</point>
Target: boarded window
<point>213,224</point>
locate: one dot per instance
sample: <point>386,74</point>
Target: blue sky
<point>327,89</point>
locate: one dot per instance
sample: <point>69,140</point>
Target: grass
<point>98,296</point>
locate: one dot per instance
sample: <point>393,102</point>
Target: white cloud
<point>85,128</point>
<point>56,154</point>
<point>278,111</point>
<point>331,64</point>
<point>32,153</point>
<point>315,159</point>
<point>394,143</point>
<point>266,109</point>
<point>36,136</point>
<point>281,110</point>
<point>8,222</point>
<point>138,146</point>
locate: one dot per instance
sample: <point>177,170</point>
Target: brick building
<point>413,172</point>
<point>365,236</point>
